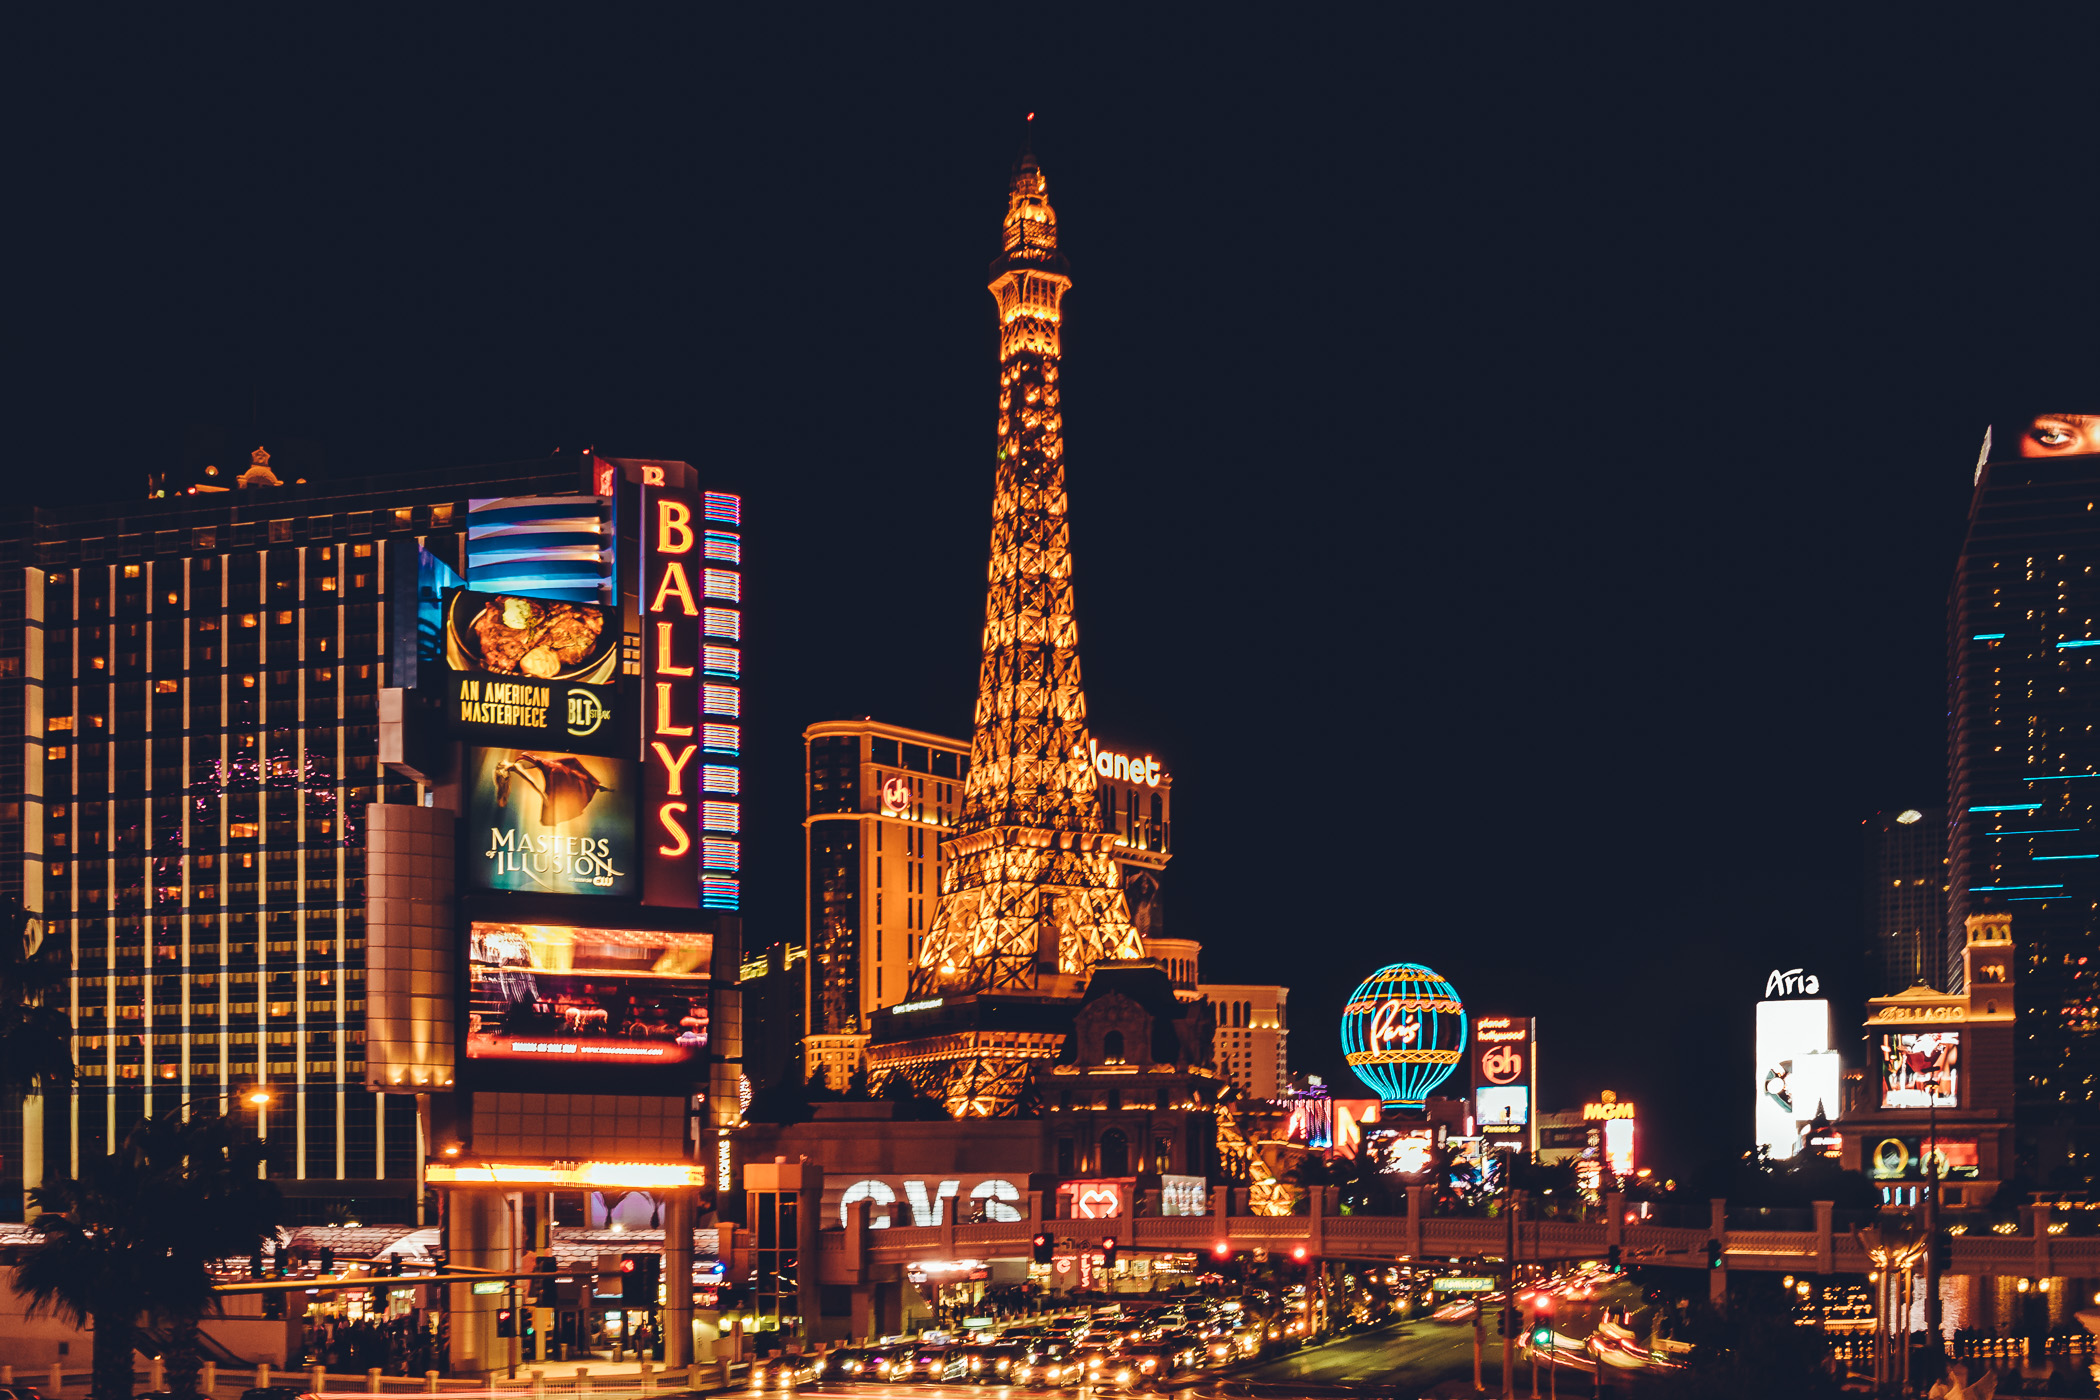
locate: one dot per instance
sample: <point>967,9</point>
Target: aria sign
<point>1793,982</point>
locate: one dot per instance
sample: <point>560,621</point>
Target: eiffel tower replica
<point>1032,900</point>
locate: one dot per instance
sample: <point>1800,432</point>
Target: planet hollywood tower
<point>1031,899</point>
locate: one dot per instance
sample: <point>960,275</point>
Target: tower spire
<point>1032,898</point>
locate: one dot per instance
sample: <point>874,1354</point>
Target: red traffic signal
<point>1299,1253</point>
<point>627,1265</point>
<point>1221,1250</point>
<point>1044,1245</point>
<point>1108,1252</point>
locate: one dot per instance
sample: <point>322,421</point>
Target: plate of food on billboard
<point>532,670</point>
<point>548,822</point>
<point>1920,1069</point>
<point>556,993</point>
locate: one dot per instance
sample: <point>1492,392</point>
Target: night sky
<point>1515,472</point>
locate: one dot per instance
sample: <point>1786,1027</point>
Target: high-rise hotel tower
<point>2024,768</point>
<point>242,723</point>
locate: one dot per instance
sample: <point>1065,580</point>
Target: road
<point>1400,1360</point>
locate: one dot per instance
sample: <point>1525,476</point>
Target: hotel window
<point>280,532</point>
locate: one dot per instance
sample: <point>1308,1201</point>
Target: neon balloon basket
<point>1403,1033</point>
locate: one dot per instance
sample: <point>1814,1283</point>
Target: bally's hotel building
<point>191,695</point>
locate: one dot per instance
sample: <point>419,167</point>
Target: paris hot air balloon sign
<point>1404,1032</point>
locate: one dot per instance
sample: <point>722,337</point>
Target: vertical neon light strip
<point>722,621</point>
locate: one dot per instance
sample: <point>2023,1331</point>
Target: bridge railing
<point>1426,1236</point>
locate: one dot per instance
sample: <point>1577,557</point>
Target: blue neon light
<point>2055,777</point>
<point>1993,889</point>
<point>2033,898</point>
<point>1988,637</point>
<point>2011,807</point>
<point>2094,856</point>
<point>2062,646</point>
<point>2039,831</point>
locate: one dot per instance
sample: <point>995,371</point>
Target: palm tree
<point>134,1236</point>
<point>36,1033</point>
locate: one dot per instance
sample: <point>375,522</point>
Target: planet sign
<point>1403,1032</point>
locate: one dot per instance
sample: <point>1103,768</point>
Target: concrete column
<point>678,1280</point>
<point>478,1236</point>
<point>1315,1215</point>
<point>1221,1202</point>
<point>1417,1203</point>
<point>1826,1244</point>
<point>809,1264</point>
<point>1614,1218</point>
<point>2041,1214</point>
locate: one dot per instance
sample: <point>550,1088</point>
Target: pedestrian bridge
<point>849,1254</point>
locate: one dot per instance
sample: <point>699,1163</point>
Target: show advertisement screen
<point>2044,434</point>
<point>566,995</point>
<point>548,822</point>
<point>1618,1145</point>
<point>1921,1069</point>
<point>1797,1072</point>
<point>1502,1109</point>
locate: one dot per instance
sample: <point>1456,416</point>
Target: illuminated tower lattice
<point>1032,898</point>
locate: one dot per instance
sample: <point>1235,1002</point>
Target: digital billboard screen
<point>1797,1072</point>
<point>533,671</point>
<point>1502,1108</point>
<point>1920,1069</point>
<point>555,993</point>
<point>550,822</point>
<point>2045,434</point>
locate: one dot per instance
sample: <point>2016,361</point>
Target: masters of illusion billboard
<point>548,822</point>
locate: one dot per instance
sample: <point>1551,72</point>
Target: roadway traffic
<point>1264,1342</point>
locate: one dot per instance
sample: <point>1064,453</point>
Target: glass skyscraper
<point>2024,784</point>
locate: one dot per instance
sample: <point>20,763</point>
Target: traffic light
<point>1542,1336</point>
<point>327,1260</point>
<point>1943,1253</point>
<point>255,1263</point>
<point>638,1279</point>
<point>393,1265</point>
<point>1045,1245</point>
<point>1611,1259</point>
<point>1512,1326</point>
<point>543,1288</point>
<point>1108,1252</point>
<point>283,1263</point>
<point>1221,1251</point>
<point>1713,1254</point>
<point>506,1322</point>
